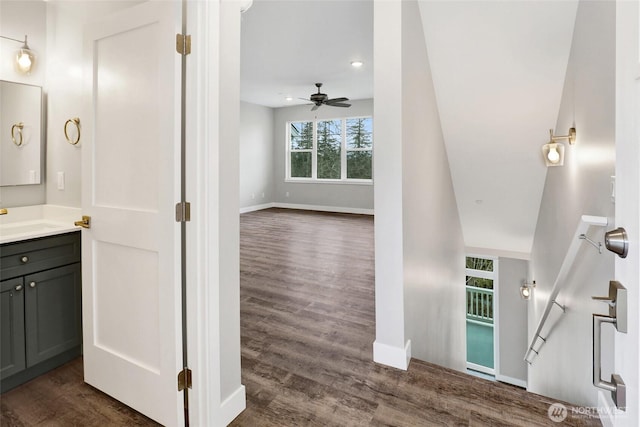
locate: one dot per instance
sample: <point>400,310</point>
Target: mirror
<point>21,141</point>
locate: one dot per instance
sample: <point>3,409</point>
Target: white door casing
<point>131,183</point>
<point>627,198</point>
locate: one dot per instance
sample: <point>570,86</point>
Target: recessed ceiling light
<point>289,98</point>
<point>356,64</point>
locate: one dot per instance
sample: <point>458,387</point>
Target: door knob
<point>18,288</point>
<point>617,242</point>
<point>32,284</point>
<point>84,223</point>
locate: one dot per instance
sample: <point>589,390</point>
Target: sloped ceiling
<point>498,69</point>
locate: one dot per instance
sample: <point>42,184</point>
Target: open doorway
<point>481,314</point>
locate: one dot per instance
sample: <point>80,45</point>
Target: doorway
<point>481,281</point>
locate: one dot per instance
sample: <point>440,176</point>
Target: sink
<point>32,228</point>
<point>29,227</point>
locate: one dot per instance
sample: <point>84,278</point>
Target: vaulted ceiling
<point>498,69</point>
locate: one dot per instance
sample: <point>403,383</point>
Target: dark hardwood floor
<point>307,314</point>
<point>308,325</point>
<point>60,398</point>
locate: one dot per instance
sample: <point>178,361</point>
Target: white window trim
<point>314,155</point>
<point>493,275</point>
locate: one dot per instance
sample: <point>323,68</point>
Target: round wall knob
<point>24,259</point>
<point>32,284</point>
<point>18,288</point>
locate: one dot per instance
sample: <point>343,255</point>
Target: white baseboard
<point>338,209</point>
<point>511,380</point>
<point>233,406</point>
<point>395,357</point>
<point>256,207</point>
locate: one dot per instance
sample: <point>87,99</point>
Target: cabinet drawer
<point>31,256</point>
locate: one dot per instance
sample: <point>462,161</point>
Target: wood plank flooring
<point>60,398</point>
<point>308,324</point>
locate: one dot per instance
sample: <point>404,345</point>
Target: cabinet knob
<point>18,288</point>
<point>32,284</point>
<point>24,259</point>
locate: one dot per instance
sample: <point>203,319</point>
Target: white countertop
<point>30,222</point>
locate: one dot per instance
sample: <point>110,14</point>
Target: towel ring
<point>75,121</point>
<point>18,126</point>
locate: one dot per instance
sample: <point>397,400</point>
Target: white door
<point>131,181</point>
<point>627,270</point>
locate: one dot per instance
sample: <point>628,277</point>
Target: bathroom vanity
<point>40,290</point>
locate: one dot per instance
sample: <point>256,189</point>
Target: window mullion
<point>314,152</point>
<point>343,151</point>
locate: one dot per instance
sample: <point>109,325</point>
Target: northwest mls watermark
<point>558,412</point>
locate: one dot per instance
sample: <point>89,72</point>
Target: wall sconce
<point>553,152</point>
<point>527,289</point>
<point>25,58</point>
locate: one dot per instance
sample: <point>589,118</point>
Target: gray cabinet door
<point>12,354</point>
<point>53,312</point>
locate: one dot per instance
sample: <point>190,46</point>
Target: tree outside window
<point>301,146</point>
<point>338,149</point>
<point>359,148</point>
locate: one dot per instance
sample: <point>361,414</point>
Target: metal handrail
<point>583,225</point>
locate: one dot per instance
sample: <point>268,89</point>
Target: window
<point>301,136</point>
<point>330,150</point>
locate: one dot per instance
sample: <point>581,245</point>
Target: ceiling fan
<point>320,99</point>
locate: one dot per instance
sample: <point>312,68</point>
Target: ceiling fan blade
<point>331,101</point>
<point>315,107</point>
<point>338,104</point>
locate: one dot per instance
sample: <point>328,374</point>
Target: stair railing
<point>585,222</point>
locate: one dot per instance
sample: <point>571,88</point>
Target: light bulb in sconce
<point>24,61</point>
<point>25,58</point>
<point>553,154</point>
<point>526,290</point>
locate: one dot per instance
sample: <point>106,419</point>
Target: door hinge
<point>184,379</point>
<point>183,44</point>
<point>183,212</point>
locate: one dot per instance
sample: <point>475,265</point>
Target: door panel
<point>131,182</point>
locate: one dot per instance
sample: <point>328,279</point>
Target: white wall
<point>433,247</point>
<point>512,318</point>
<point>339,195</point>
<point>418,238</point>
<point>18,18</point>
<point>256,155</point>
<point>55,31</point>
<point>390,346</point>
<point>582,186</point>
